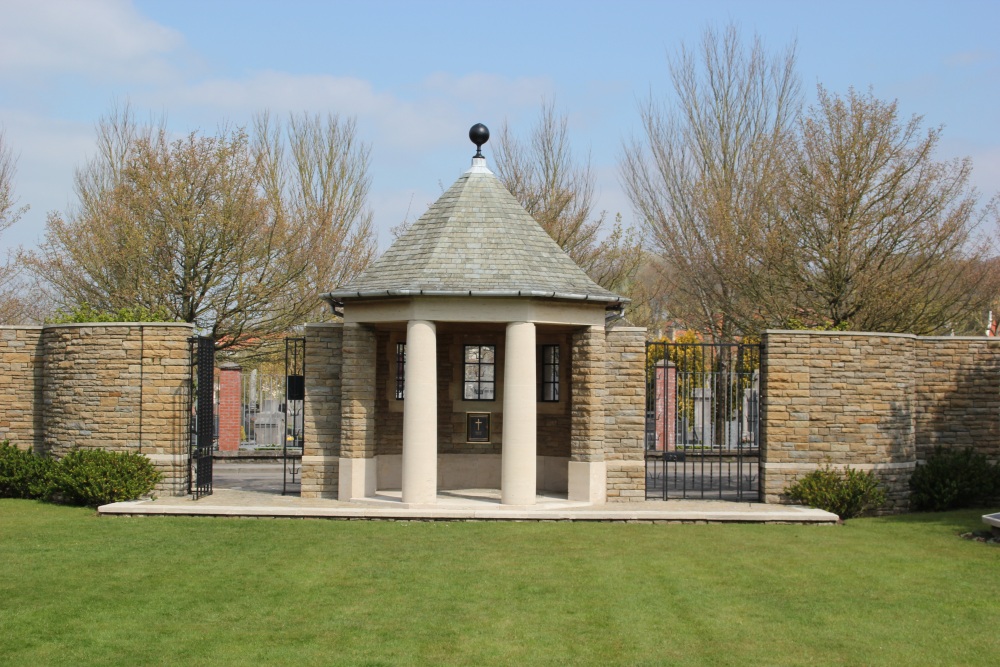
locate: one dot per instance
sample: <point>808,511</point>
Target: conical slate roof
<point>476,240</point>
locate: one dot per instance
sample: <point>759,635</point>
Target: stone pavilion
<point>475,354</point>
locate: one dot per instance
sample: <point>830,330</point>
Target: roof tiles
<point>476,239</point>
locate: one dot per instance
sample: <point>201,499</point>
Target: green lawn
<point>82,590</point>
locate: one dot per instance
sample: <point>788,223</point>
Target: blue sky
<point>417,75</point>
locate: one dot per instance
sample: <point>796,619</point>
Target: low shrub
<point>954,478</point>
<point>847,493</point>
<point>95,477</point>
<point>23,474</point>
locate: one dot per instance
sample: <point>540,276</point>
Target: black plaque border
<point>471,434</point>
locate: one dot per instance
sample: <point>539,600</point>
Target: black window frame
<point>479,365</point>
<point>551,380</point>
<point>400,371</point>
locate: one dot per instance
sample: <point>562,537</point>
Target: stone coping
<point>811,332</point>
<point>87,325</point>
<point>468,505</point>
<point>873,334</point>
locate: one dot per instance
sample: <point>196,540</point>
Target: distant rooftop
<point>476,240</point>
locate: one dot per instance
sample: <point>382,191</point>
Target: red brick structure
<point>229,409</point>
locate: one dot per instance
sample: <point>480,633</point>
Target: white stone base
<point>551,474</point>
<point>474,471</point>
<point>588,481</point>
<point>357,478</point>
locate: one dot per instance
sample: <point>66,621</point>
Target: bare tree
<point>884,232</point>
<point>13,308</point>
<point>318,178</point>
<point>237,234</point>
<point>706,179</point>
<point>558,191</point>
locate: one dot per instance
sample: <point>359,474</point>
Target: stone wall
<point>872,401</point>
<point>624,413</point>
<point>21,387</point>
<point>323,374</point>
<point>588,392</point>
<point>357,439</point>
<point>122,387</point>
<point>957,401</point>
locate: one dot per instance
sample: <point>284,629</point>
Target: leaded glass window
<point>480,373</point>
<point>400,371</point>
<point>548,373</point>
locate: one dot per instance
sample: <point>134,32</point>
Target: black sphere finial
<point>479,134</point>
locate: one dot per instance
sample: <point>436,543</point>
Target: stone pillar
<point>419,479</point>
<point>587,471</point>
<point>517,477</point>
<point>625,413</point>
<point>357,470</point>
<point>229,407</point>
<point>322,408</point>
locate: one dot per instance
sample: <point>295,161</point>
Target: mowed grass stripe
<point>83,590</point>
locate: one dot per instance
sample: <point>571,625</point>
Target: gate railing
<point>294,406</point>
<point>202,412</point>
<point>702,425</point>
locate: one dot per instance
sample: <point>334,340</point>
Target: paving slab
<point>467,505</point>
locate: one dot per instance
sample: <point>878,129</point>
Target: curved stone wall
<point>21,386</point>
<point>122,387</point>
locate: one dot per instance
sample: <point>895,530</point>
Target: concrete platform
<point>467,505</point>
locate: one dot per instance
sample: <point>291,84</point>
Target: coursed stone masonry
<point>122,387</point>
<point>323,391</point>
<point>872,401</point>
<point>358,392</point>
<point>21,387</point>
<point>588,391</point>
<point>624,413</point>
<point>957,382</point>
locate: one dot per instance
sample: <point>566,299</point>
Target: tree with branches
<point>884,232</point>
<point>707,176</point>
<point>235,232</point>
<point>558,191</point>
<point>14,309</point>
<point>768,216</point>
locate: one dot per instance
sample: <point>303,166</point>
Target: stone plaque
<point>478,426</point>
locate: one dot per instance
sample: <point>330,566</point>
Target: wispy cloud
<point>416,118</point>
<point>105,40</point>
<point>487,91</point>
<point>967,58</point>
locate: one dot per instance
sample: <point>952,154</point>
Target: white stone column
<point>517,479</point>
<point>420,414</point>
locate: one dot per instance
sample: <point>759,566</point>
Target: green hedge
<point>847,493</point>
<point>24,474</point>
<point>952,479</point>
<point>89,477</point>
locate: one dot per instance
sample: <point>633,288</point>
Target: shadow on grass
<point>959,520</point>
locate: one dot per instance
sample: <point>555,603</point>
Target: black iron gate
<point>202,411</point>
<point>702,424</point>
<point>295,371</point>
